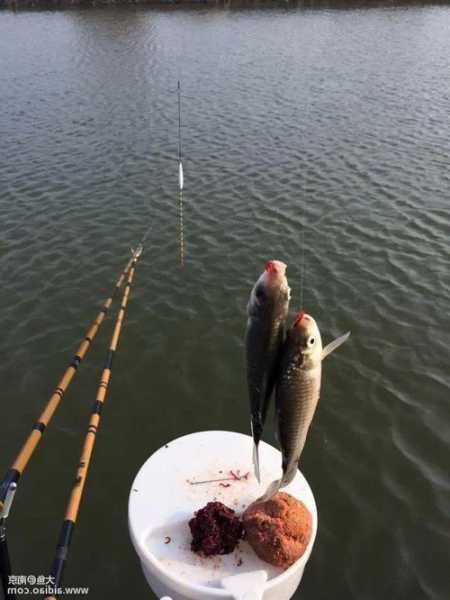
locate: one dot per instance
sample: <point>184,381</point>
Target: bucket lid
<point>168,490</point>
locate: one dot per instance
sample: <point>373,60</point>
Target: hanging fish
<point>297,392</point>
<point>267,312</point>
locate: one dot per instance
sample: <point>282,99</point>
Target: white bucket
<point>164,496</point>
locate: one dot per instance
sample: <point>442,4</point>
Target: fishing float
<point>180,180</point>
<point>8,485</point>
<point>63,545</point>
<point>180,160</point>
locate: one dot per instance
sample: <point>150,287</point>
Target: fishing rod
<point>62,548</point>
<point>5,561</point>
<point>180,180</point>
<point>9,483</point>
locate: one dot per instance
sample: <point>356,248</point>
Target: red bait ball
<point>215,530</point>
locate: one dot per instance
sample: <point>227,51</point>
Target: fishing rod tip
<point>137,253</point>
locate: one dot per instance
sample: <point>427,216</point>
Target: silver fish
<point>267,312</point>
<point>297,392</point>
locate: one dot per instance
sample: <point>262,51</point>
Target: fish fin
<point>335,344</point>
<point>256,462</point>
<point>289,474</point>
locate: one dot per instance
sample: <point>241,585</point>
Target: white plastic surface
<point>166,493</point>
<point>246,586</point>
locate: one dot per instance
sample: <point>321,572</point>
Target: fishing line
<point>302,265</point>
<point>144,237</point>
<point>302,244</point>
<point>181,228</point>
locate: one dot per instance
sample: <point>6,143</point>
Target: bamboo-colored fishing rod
<point>73,506</point>
<point>14,473</point>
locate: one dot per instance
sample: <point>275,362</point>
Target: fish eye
<point>311,341</point>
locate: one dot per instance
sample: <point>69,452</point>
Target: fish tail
<point>256,460</point>
<point>289,473</point>
<point>289,470</point>
<point>256,434</point>
<point>271,490</point>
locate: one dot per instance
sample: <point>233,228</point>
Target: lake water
<point>335,119</point>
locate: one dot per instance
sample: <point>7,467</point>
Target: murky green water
<point>339,118</point>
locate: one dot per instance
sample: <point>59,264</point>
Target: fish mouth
<point>299,318</point>
<point>275,267</point>
<point>301,323</point>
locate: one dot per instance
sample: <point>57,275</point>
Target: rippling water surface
<point>338,119</point>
